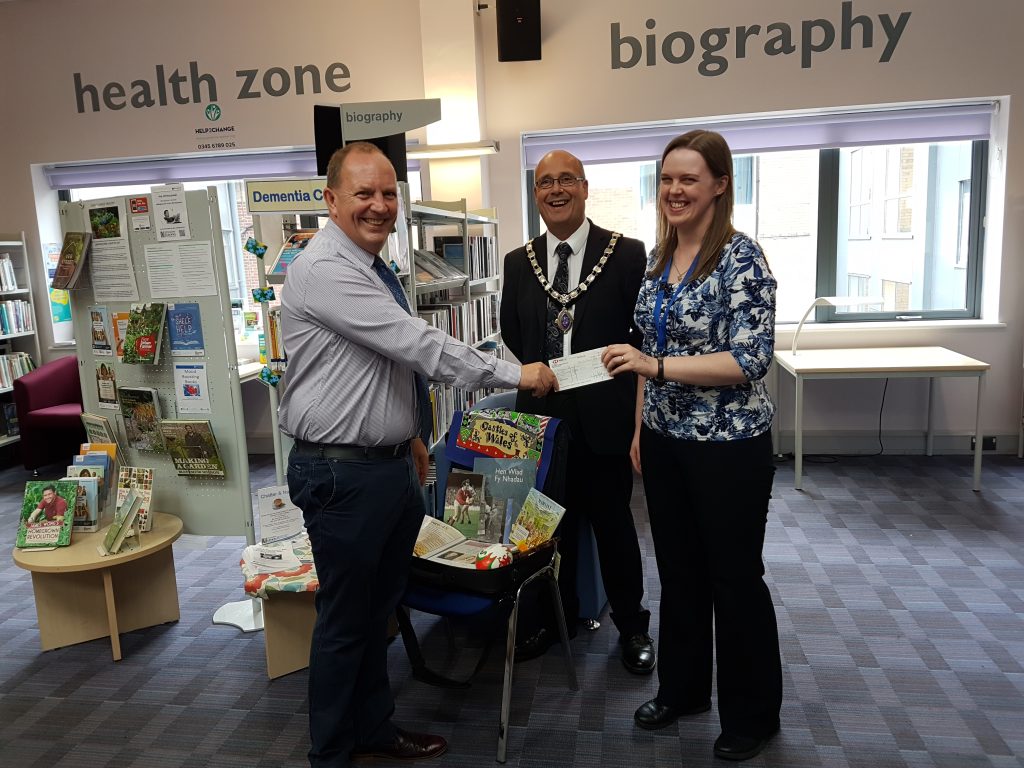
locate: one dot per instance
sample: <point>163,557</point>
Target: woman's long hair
<point>715,151</point>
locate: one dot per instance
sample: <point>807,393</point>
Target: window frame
<point>828,246</point>
<point>824,131</point>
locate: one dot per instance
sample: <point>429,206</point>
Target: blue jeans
<point>362,518</point>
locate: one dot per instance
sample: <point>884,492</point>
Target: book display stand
<point>208,506</point>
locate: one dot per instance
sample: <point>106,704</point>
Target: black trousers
<point>708,505</point>
<point>598,489</point>
<point>362,518</point>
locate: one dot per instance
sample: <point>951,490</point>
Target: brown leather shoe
<point>406,746</point>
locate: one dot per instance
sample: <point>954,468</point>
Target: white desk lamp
<point>834,301</point>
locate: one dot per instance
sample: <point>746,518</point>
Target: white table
<point>881,363</point>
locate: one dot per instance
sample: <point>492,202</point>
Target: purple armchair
<point>49,403</point>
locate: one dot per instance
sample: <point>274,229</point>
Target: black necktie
<point>560,284</point>
<point>426,424</point>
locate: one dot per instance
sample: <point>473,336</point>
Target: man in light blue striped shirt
<point>351,403</point>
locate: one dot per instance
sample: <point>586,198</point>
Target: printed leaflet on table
<point>279,518</point>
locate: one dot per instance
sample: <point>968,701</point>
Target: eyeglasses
<point>565,182</point>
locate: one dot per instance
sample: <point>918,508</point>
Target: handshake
<point>538,378</point>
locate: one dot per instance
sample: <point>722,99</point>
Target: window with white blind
<point>872,199</point>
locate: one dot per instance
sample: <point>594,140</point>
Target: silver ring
<point>622,358</point>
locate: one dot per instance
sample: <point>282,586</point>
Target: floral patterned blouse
<point>733,310</point>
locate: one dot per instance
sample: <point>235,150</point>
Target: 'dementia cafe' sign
<point>286,195</point>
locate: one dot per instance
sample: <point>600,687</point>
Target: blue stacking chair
<point>449,592</point>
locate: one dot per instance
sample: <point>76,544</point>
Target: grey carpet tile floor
<point>899,593</point>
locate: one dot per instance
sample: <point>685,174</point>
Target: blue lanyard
<point>661,318</point>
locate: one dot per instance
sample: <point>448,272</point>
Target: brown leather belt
<point>352,452</point>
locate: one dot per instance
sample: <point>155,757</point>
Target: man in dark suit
<point>583,299</point>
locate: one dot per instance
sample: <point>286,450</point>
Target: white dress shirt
<point>578,242</point>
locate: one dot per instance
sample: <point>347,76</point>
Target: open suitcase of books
<point>501,433</point>
<point>495,581</point>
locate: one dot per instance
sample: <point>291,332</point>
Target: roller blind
<point>300,163</point>
<point>823,129</point>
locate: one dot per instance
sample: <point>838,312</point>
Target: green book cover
<point>144,332</point>
<point>47,513</point>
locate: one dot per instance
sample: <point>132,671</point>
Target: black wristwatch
<point>660,378</point>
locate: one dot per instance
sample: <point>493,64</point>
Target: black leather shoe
<point>535,645</point>
<point>638,654</point>
<point>406,746</point>
<point>732,747</point>
<point>654,715</point>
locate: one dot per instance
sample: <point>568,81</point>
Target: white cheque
<point>580,369</point>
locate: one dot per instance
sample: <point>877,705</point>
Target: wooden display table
<point>82,596</point>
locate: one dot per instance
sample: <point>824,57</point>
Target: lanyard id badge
<point>661,318</point>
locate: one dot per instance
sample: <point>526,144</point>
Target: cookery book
<point>139,480</point>
<point>71,260</point>
<point>47,513</point>
<point>144,332</point>
<point>193,448</point>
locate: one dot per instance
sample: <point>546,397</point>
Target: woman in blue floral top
<point>703,446</point>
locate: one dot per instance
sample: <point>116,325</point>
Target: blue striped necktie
<point>422,395</point>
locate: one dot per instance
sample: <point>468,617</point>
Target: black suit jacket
<point>602,414</point>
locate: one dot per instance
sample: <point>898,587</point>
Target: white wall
<point>47,41</point>
<point>947,51</point>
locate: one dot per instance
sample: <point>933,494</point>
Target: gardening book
<point>185,330</point>
<point>71,260</point>
<point>140,480</point>
<point>87,502</point>
<point>446,544</point>
<point>507,482</point>
<point>193,448</point>
<point>536,521</point>
<point>140,408</point>
<point>47,513</point>
<point>144,332</point>
<point>125,517</point>
<point>463,499</point>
